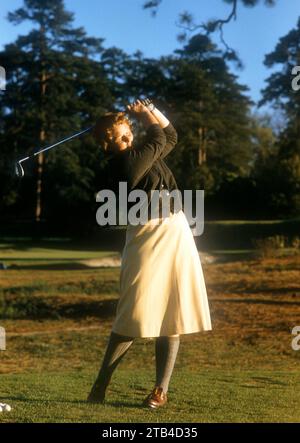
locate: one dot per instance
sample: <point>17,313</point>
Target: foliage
<point>56,85</point>
<point>285,192</point>
<point>60,80</point>
<point>188,25</point>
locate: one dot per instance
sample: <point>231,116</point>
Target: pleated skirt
<point>162,286</point>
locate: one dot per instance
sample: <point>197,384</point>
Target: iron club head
<point>19,169</point>
<point>18,166</point>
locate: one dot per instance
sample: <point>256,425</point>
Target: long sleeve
<point>171,137</point>
<point>136,162</point>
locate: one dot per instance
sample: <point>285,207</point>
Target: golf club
<point>18,166</point>
<point>19,170</point>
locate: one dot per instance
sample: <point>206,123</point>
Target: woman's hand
<point>137,107</point>
<point>140,111</point>
<point>160,117</point>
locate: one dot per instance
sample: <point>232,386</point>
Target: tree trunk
<point>40,167</point>
<point>38,209</point>
<point>202,146</point>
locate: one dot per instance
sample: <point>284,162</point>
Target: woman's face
<point>122,137</point>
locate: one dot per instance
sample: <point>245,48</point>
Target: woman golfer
<point>162,287</point>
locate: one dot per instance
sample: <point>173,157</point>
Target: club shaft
<point>62,141</point>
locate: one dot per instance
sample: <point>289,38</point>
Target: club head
<point>19,170</point>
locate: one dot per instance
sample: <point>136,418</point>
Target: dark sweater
<point>143,167</point>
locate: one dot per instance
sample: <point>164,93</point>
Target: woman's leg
<point>117,347</point>
<point>166,349</point>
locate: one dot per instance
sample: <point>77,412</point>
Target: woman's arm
<point>160,117</point>
<point>136,162</point>
<point>165,124</point>
<point>171,137</point>
<point>142,113</point>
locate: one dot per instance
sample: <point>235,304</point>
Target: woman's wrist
<point>148,118</point>
<point>150,107</point>
<point>160,118</point>
<point>149,104</point>
<point>144,110</point>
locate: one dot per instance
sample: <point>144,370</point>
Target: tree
<point>56,85</point>
<point>209,108</point>
<point>279,92</point>
<point>188,25</point>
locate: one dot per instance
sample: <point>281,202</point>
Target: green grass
<point>48,252</point>
<point>58,321</point>
<point>202,396</point>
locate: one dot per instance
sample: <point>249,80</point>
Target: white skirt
<point>162,286</point>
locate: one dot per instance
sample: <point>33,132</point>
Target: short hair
<point>105,124</point>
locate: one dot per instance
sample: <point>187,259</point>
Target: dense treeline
<point>60,80</point>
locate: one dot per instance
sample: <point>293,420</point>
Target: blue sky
<point>123,23</point>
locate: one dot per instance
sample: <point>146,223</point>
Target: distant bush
<point>273,246</point>
<point>25,306</point>
<point>295,243</point>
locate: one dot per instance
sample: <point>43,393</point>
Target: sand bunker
<point>115,261</point>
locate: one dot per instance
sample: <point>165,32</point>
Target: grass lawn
<point>48,253</point>
<point>58,320</point>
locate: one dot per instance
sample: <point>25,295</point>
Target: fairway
<point>137,137</point>
<point>58,321</point>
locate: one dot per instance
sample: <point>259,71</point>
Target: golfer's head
<point>113,132</point>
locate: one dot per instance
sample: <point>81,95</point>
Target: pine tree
<point>209,108</point>
<point>280,94</point>
<point>56,86</point>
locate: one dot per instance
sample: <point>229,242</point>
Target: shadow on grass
<point>118,404</point>
<point>269,380</point>
<point>229,288</point>
<point>103,309</point>
<point>68,266</point>
<point>257,301</point>
<point>37,308</point>
<point>109,238</point>
<point>267,290</point>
